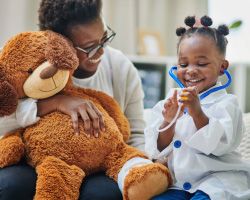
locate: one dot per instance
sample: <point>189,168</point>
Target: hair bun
<point>206,21</point>
<point>190,21</point>
<point>180,31</point>
<point>223,29</point>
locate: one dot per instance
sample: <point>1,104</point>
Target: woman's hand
<point>75,107</point>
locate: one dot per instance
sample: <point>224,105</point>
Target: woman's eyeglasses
<point>92,51</point>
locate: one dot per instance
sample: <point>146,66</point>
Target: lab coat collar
<point>213,97</point>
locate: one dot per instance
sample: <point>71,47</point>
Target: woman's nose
<point>48,72</point>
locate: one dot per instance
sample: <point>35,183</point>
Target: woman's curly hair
<point>56,15</point>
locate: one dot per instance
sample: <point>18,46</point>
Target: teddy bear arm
<point>57,180</point>
<point>11,149</point>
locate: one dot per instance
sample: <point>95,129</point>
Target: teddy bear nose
<point>48,72</point>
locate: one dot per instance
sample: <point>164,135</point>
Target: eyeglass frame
<point>91,52</point>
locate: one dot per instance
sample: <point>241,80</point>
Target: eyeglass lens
<point>103,45</point>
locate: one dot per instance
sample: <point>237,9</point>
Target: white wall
<point>126,17</point>
<point>17,16</point>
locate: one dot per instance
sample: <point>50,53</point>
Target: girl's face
<point>87,37</point>
<point>199,62</point>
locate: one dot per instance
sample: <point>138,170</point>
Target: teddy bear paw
<point>146,181</point>
<point>11,151</point>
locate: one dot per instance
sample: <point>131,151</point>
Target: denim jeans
<point>181,195</point>
<point>18,182</point>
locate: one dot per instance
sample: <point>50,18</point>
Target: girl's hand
<point>75,107</point>
<point>190,99</point>
<point>170,108</point>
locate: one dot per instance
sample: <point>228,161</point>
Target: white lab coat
<point>205,159</point>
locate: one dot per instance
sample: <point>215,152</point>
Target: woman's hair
<point>217,35</point>
<point>57,15</point>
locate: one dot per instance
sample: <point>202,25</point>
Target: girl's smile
<point>200,63</point>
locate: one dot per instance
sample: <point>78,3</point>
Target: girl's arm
<point>166,137</point>
<point>169,111</point>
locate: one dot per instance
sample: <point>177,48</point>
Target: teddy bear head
<point>34,64</point>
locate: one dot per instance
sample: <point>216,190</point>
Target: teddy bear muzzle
<point>45,81</point>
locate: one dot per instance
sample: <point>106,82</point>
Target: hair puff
<point>206,21</point>
<point>180,31</point>
<point>190,21</point>
<point>223,29</point>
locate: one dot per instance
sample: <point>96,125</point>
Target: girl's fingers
<point>175,100</point>
<point>184,96</point>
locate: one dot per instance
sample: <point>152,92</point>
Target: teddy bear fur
<point>62,159</point>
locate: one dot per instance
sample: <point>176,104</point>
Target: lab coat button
<point>177,144</point>
<point>187,186</point>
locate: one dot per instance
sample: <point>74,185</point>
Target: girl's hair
<point>217,35</point>
<point>57,15</point>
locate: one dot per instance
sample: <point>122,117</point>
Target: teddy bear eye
<point>30,71</point>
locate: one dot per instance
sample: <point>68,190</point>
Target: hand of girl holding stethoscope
<point>190,101</point>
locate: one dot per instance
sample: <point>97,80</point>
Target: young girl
<point>200,146</point>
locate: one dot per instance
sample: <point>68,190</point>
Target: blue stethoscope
<point>205,94</point>
<point>202,96</point>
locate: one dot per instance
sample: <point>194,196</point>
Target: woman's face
<point>86,37</point>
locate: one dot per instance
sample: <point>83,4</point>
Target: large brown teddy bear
<point>39,65</point>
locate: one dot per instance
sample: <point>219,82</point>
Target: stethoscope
<point>202,96</point>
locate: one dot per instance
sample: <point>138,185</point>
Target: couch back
<point>244,147</point>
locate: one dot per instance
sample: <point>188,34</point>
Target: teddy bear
<point>39,65</point>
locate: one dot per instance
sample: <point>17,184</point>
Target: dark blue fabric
<point>173,195</point>
<point>199,195</point>
<point>18,183</point>
<point>181,195</point>
<point>100,187</point>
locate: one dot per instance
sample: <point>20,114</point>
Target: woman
<point>104,69</point>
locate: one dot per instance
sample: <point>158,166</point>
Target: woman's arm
<point>29,111</point>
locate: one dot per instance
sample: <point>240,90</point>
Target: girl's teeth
<point>194,81</point>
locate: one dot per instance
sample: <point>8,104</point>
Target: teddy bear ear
<point>8,98</point>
